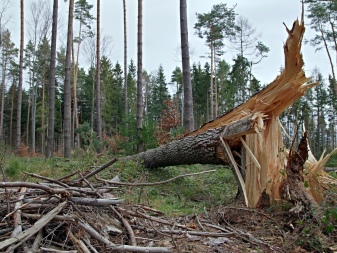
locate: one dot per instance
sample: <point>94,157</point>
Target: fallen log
<point>249,137</point>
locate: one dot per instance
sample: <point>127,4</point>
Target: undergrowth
<point>185,195</point>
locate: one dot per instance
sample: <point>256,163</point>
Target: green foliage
<point>181,196</point>
<point>159,93</point>
<point>216,25</point>
<point>14,168</point>
<point>88,136</point>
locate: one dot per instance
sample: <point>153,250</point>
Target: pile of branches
<point>77,215</point>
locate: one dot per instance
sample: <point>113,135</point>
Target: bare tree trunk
<point>19,102</point>
<point>67,93</point>
<point>43,114</point>
<point>11,117</point>
<point>98,79</point>
<point>188,116</point>
<point>329,56</point>
<point>51,115</point>
<point>140,103</point>
<point>211,94</point>
<point>3,88</point>
<point>125,62</point>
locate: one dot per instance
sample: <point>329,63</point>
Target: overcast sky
<point>161,32</point>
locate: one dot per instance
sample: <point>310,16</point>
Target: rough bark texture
<point>98,78</point>
<point>125,62</point>
<point>140,103</point>
<point>50,136</point>
<point>18,113</point>
<point>188,120</point>
<point>203,148</point>
<point>294,188</point>
<point>67,94</point>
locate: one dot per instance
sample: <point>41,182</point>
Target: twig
<point>121,248</point>
<point>126,224</point>
<point>68,176</point>
<point>25,235</point>
<point>87,242</point>
<point>250,210</point>
<point>95,202</point>
<point>155,183</point>
<point>36,186</point>
<point>156,219</point>
<point>104,166</point>
<point>79,243</point>
<point>50,250</point>
<point>184,232</point>
<point>47,179</point>
<point>198,220</point>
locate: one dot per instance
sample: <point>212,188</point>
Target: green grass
<point>185,195</point>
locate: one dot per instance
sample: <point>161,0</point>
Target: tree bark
<point>140,103</point>
<point>125,62</point>
<point>67,93</point>
<point>98,79</point>
<point>19,102</point>
<point>51,116</point>
<point>203,148</point>
<point>188,116</point>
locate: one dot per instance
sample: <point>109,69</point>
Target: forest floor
<point>235,228</point>
<point>190,214</point>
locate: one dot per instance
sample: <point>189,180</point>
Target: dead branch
<point>104,166</point>
<point>25,235</point>
<point>121,248</point>
<point>35,186</point>
<point>155,183</point>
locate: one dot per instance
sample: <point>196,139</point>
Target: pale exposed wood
<point>78,242</point>
<point>121,248</point>
<point>235,168</point>
<point>250,153</point>
<point>25,235</point>
<point>50,250</point>
<point>95,201</point>
<point>290,85</point>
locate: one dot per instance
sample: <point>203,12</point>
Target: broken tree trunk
<point>249,135</point>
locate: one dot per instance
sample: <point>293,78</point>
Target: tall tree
<point>51,116</point>
<point>8,53</point>
<point>19,102</point>
<point>215,26</point>
<point>159,94</point>
<point>250,50</point>
<point>126,106</point>
<point>140,103</point>
<point>67,94</point>
<point>38,26</point>
<point>188,117</point>
<point>98,80</point>
<point>322,15</point>
<point>82,14</point>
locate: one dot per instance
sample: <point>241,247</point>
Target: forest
<point>74,101</point>
<point>217,86</point>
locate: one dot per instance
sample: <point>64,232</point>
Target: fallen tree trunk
<point>203,148</point>
<point>249,138</point>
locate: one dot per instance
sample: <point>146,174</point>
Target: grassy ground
<point>179,197</point>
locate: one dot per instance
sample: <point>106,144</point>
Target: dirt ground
<point>238,229</point>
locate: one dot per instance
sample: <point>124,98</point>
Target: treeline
<point>217,87</point>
